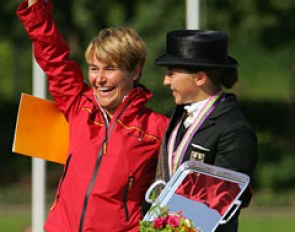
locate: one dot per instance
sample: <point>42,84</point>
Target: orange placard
<point>41,130</point>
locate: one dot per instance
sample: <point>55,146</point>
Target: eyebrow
<point>105,66</point>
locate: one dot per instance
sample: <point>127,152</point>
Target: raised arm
<point>51,52</point>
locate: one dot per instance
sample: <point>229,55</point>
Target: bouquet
<point>168,222</point>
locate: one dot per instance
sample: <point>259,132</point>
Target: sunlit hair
<point>120,46</point>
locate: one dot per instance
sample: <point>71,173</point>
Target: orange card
<point>41,130</point>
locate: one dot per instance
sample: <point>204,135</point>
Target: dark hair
<point>226,77</point>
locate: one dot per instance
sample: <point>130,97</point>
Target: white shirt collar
<point>194,107</point>
<point>193,111</point>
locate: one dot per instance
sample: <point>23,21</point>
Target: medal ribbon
<point>175,157</point>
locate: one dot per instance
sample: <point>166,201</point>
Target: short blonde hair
<point>121,46</point>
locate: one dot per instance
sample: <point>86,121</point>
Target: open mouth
<point>105,90</point>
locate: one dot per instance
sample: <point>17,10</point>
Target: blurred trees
<point>253,26</point>
<point>269,21</point>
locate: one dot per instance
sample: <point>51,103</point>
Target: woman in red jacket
<point>114,138</point>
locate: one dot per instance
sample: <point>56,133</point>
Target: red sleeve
<point>51,52</point>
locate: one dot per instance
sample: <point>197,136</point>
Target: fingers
<point>31,2</point>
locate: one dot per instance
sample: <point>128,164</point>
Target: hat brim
<point>169,60</point>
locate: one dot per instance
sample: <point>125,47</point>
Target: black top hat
<point>196,48</point>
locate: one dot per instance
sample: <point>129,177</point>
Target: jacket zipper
<point>130,181</point>
<point>103,146</point>
<point>91,184</point>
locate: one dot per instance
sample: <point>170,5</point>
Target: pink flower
<point>173,220</point>
<point>159,222</point>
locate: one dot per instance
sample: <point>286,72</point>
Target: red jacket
<point>110,165</point>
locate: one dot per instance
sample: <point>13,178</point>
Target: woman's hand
<point>31,2</point>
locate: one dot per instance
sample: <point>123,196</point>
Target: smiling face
<point>182,84</point>
<point>110,84</point>
<point>115,58</point>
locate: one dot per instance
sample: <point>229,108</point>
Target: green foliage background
<point>261,37</point>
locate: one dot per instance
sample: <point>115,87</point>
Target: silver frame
<point>193,166</point>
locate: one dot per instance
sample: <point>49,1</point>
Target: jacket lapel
<point>228,104</point>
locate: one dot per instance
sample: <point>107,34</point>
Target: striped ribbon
<point>175,157</point>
